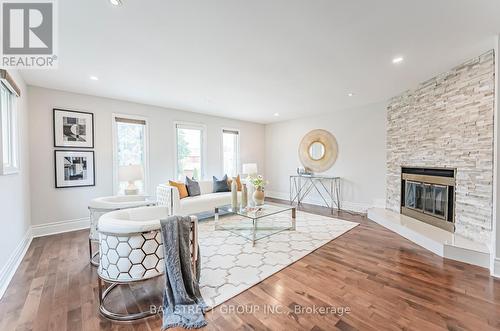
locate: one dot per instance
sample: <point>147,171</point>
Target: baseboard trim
<point>346,205</point>
<point>48,229</point>
<point>495,270</point>
<point>10,268</point>
<point>35,231</point>
<point>379,203</point>
<point>357,207</point>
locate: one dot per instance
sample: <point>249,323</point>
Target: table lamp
<point>130,174</point>
<point>249,169</point>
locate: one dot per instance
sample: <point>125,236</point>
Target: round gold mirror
<point>316,151</point>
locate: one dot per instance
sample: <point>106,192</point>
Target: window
<point>10,143</point>
<point>190,151</point>
<point>130,134</point>
<point>231,152</point>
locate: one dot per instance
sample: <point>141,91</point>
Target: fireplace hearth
<point>428,194</point>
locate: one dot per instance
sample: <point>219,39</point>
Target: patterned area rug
<point>230,264</point>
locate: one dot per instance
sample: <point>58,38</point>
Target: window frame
<point>13,167</point>
<point>238,161</point>
<point>204,143</point>
<point>116,182</point>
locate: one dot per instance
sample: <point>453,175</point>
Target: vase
<point>234,195</point>
<point>258,196</point>
<point>244,196</point>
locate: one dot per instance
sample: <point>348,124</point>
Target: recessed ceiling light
<point>94,77</point>
<point>397,60</point>
<point>276,114</point>
<point>350,94</point>
<point>115,2</point>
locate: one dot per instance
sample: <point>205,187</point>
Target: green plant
<point>258,182</point>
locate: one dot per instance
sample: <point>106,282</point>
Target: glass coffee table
<point>256,222</point>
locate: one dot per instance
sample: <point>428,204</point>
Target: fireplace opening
<point>428,194</point>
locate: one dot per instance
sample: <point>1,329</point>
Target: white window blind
<point>189,151</point>
<point>131,148</point>
<point>231,151</point>
<point>9,131</point>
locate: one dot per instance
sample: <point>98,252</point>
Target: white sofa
<point>206,201</point>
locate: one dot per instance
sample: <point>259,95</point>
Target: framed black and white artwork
<point>74,168</point>
<point>73,129</point>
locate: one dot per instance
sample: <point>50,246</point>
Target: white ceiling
<point>249,59</point>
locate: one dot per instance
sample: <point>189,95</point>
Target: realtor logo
<point>28,31</point>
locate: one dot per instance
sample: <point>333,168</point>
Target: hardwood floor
<point>386,281</point>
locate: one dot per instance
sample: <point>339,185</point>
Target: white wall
<point>360,135</point>
<point>15,197</point>
<point>495,237</point>
<point>55,205</point>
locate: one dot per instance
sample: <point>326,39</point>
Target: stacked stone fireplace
<point>447,123</point>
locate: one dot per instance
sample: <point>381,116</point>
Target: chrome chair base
<point>145,258</point>
<point>94,256</point>
<point>113,315</point>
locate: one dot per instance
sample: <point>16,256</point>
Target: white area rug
<point>230,265</point>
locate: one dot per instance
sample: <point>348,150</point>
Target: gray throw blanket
<point>183,305</point>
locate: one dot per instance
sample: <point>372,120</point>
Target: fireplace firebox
<point>428,194</point>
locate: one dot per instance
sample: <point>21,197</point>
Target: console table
<point>328,188</point>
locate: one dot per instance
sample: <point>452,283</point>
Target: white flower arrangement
<point>258,182</point>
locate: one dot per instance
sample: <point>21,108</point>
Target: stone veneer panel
<point>448,122</point>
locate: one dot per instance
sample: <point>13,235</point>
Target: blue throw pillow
<point>221,185</point>
<point>193,187</point>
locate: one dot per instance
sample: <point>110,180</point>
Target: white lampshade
<point>249,168</point>
<point>130,173</point>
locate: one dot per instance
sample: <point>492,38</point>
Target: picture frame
<point>74,168</point>
<point>73,128</point>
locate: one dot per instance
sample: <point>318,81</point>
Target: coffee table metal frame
<point>255,218</point>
